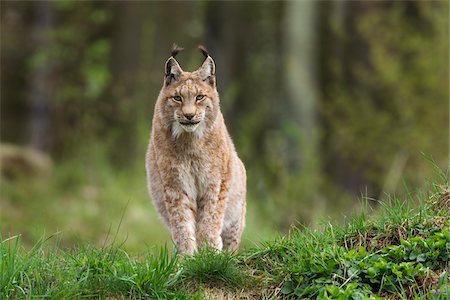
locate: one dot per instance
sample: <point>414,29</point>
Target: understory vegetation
<point>399,252</point>
<point>324,100</point>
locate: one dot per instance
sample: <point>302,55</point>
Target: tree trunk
<point>40,90</point>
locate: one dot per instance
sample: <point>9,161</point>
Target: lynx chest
<point>198,174</point>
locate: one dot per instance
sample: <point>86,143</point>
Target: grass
<point>85,272</point>
<point>401,251</point>
<point>208,267</point>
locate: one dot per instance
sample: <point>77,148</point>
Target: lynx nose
<point>189,116</point>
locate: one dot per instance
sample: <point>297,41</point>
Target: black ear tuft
<point>203,50</point>
<point>175,50</point>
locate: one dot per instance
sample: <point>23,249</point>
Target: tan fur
<point>195,178</point>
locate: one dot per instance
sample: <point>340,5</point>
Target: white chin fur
<point>190,128</point>
<point>196,129</point>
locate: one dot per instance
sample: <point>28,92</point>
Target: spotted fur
<point>195,178</point>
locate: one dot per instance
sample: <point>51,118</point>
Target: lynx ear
<point>208,71</point>
<point>173,71</point>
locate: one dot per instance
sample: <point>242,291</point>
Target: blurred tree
<point>40,91</point>
<point>248,47</point>
<point>15,22</point>
<point>124,59</point>
<point>383,94</point>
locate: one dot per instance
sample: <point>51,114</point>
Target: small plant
<point>442,290</point>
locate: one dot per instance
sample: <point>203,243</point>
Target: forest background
<point>328,102</point>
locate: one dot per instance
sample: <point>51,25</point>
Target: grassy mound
<point>399,253</point>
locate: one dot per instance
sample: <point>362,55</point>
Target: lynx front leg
<point>181,212</point>
<point>211,212</point>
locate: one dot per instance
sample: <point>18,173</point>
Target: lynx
<point>195,178</point>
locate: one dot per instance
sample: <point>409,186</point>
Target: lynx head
<point>189,102</point>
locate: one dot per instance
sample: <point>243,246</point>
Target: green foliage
<point>95,68</point>
<point>337,273</point>
<point>369,258</point>
<point>393,253</point>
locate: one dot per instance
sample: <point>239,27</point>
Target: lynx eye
<point>199,97</point>
<point>177,98</point>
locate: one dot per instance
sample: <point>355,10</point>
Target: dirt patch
<point>223,294</point>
